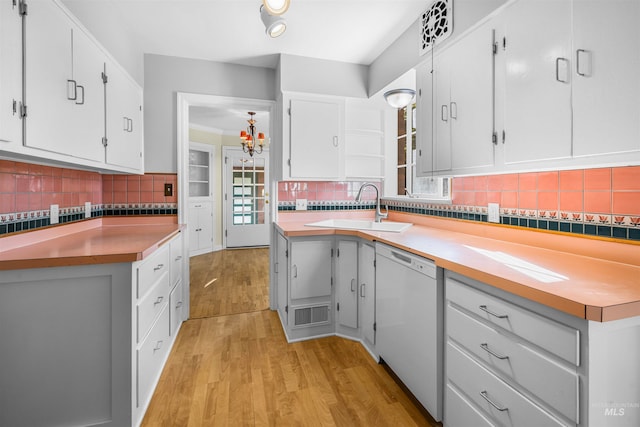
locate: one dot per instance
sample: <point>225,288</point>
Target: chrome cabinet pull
<point>579,53</point>
<point>558,61</point>
<point>158,346</point>
<point>158,267</point>
<point>485,396</point>
<point>362,290</point>
<point>72,88</point>
<point>179,257</point>
<point>335,141</point>
<point>353,282</point>
<point>295,271</point>
<point>179,304</point>
<point>158,301</point>
<point>130,125</point>
<point>485,347</point>
<point>82,92</point>
<point>486,310</point>
<point>125,124</point>
<point>454,111</point>
<point>444,113</point>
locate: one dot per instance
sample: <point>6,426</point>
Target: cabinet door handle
<point>454,111</point>
<point>125,124</point>
<point>158,346</point>
<point>579,53</point>
<point>485,396</point>
<point>158,267</point>
<point>130,125</point>
<point>444,113</point>
<point>295,271</point>
<point>82,92</point>
<point>362,290</point>
<point>72,88</point>
<point>353,285</point>
<point>179,304</point>
<point>179,257</point>
<point>558,61</point>
<point>335,141</point>
<point>486,310</point>
<point>485,347</point>
<point>158,300</point>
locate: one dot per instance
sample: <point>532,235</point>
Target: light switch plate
<point>87,209</point>
<point>54,214</point>
<point>301,204</point>
<point>494,213</point>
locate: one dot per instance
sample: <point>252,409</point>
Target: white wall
<point>312,75</point>
<point>164,76</point>
<point>403,54</point>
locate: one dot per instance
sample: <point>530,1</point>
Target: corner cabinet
<point>66,106</point>
<point>101,333</point>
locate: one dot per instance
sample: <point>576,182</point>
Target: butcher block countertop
<point>591,278</point>
<point>96,241</point>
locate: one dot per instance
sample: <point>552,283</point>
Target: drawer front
<point>151,269</point>
<point>151,305</point>
<point>459,412</point>
<point>175,305</point>
<point>496,398</point>
<point>150,358</point>
<point>176,259</point>
<point>551,382</point>
<point>554,337</point>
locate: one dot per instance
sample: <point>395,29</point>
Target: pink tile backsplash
<point>319,191</point>
<point>584,194</point>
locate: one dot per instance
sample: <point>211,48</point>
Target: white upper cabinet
<point>606,83</point>
<point>10,73</point>
<point>52,106</point>
<point>64,90</point>
<point>124,119</point>
<point>424,119</point>
<point>365,125</point>
<point>536,47</point>
<point>442,110</point>
<point>316,139</point>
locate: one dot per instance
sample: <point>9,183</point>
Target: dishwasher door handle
<point>401,257</point>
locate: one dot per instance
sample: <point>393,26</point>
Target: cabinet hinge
<point>289,111</point>
<point>338,307</point>
<point>374,262</point>
<point>275,268</point>
<point>105,141</point>
<point>494,48</point>
<point>331,252</point>
<point>504,43</point>
<point>332,281</point>
<point>286,253</point>
<point>286,308</point>
<point>504,136</point>
<point>494,138</point>
<point>225,162</point>
<point>225,196</point>
<point>375,326</point>
<point>105,78</point>
<point>15,107</point>
<point>225,233</point>
<point>338,253</point>
<point>22,8</point>
<point>23,111</point>
<point>288,162</point>
<point>419,92</point>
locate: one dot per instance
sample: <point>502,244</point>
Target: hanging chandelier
<point>249,138</point>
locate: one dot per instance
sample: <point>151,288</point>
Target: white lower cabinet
<point>200,228</point>
<point>99,333</point>
<point>346,267</point>
<point>367,293</point>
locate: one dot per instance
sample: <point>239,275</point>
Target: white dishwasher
<point>409,323</point>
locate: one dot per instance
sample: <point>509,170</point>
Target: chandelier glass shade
<point>252,142</point>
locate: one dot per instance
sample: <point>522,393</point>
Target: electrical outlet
<point>301,204</point>
<point>494,213</point>
<point>87,209</point>
<point>168,190</point>
<point>54,214</point>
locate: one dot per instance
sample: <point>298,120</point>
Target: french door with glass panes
<point>246,198</point>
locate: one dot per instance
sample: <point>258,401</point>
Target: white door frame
<point>183,102</point>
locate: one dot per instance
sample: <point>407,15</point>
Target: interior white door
<point>246,198</point>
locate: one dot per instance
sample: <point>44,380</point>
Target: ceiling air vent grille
<point>436,24</point>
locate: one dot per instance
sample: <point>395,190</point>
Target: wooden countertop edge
<point>588,312</point>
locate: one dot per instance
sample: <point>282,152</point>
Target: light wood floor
<point>238,370</point>
<point>231,281</point>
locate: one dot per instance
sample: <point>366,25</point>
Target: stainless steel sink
<point>362,224</point>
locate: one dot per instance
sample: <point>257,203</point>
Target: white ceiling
<point>355,31</point>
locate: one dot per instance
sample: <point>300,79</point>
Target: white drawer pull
<point>158,301</point>
<point>499,316</point>
<point>158,346</point>
<point>486,348</point>
<point>491,402</point>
